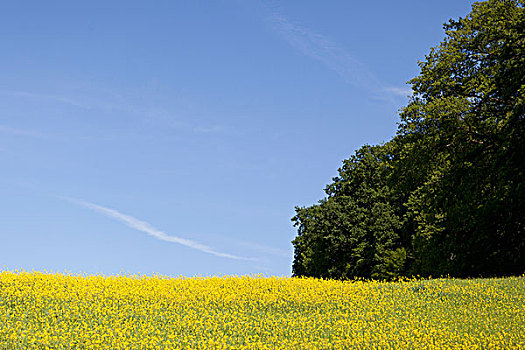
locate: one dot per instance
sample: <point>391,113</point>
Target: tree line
<point>446,195</point>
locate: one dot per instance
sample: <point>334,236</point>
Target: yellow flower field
<point>57,311</point>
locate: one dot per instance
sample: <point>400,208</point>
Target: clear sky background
<point>176,137</point>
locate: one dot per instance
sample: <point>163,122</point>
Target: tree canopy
<point>445,196</point>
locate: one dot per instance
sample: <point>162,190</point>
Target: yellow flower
<point>59,311</point>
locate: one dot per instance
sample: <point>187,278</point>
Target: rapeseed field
<point>58,311</point>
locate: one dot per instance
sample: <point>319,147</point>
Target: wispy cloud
<point>265,249</point>
<point>400,91</point>
<point>109,102</point>
<point>5,129</point>
<point>145,227</point>
<point>169,115</point>
<point>333,56</point>
<point>55,98</point>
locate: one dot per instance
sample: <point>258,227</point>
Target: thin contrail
<point>152,231</point>
<point>19,132</point>
<point>333,56</point>
<point>120,104</point>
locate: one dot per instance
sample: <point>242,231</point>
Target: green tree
<point>352,232</point>
<point>446,195</point>
<point>467,117</point>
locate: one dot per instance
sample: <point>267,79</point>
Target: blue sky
<point>176,137</point>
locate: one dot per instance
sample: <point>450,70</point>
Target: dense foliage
<point>447,194</point>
